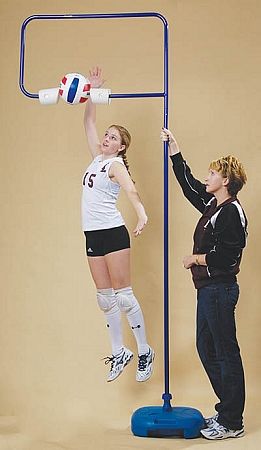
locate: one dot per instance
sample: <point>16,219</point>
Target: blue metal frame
<point>166,395</point>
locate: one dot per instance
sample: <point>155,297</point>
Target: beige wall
<point>52,335</point>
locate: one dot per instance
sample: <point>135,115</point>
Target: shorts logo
<point>90,250</point>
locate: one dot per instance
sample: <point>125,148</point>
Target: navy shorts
<point>102,242</point>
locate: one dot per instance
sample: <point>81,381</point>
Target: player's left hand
<point>140,225</point>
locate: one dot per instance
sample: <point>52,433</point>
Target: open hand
<point>95,77</point>
<point>140,225</point>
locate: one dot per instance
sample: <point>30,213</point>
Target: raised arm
<point>119,174</point>
<point>193,189</point>
<point>90,114</point>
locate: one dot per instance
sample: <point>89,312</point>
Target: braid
<point>123,155</point>
<point>126,140</point>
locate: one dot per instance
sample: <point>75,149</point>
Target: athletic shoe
<point>220,432</point>
<point>145,366</point>
<point>211,421</point>
<point>118,363</point>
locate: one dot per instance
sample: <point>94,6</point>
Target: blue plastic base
<point>155,421</point>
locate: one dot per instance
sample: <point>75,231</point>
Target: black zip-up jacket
<point>220,233</point>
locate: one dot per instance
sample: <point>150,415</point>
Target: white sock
<point>129,304</point>
<point>113,318</point>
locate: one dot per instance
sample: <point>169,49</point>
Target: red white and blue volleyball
<point>74,88</point>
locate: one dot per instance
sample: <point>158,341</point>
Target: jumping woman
<point>108,241</point>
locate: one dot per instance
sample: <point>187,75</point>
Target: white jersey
<point>99,196</point>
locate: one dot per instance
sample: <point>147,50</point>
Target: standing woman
<point>219,239</point>
<point>107,239</point>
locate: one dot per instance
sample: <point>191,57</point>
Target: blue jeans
<point>219,351</point>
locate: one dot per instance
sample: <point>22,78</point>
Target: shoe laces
<point>212,419</point>
<point>110,359</point>
<point>221,428</point>
<point>142,362</point>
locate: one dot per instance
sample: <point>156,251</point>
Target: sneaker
<point>145,366</point>
<point>211,421</point>
<point>118,363</point>
<point>221,432</point>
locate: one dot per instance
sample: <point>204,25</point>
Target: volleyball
<point>74,88</point>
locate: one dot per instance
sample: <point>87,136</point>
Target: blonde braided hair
<point>125,140</point>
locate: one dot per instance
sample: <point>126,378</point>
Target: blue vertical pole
<point>166,395</point>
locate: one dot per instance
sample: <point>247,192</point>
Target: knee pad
<point>106,300</point>
<point>127,301</point>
